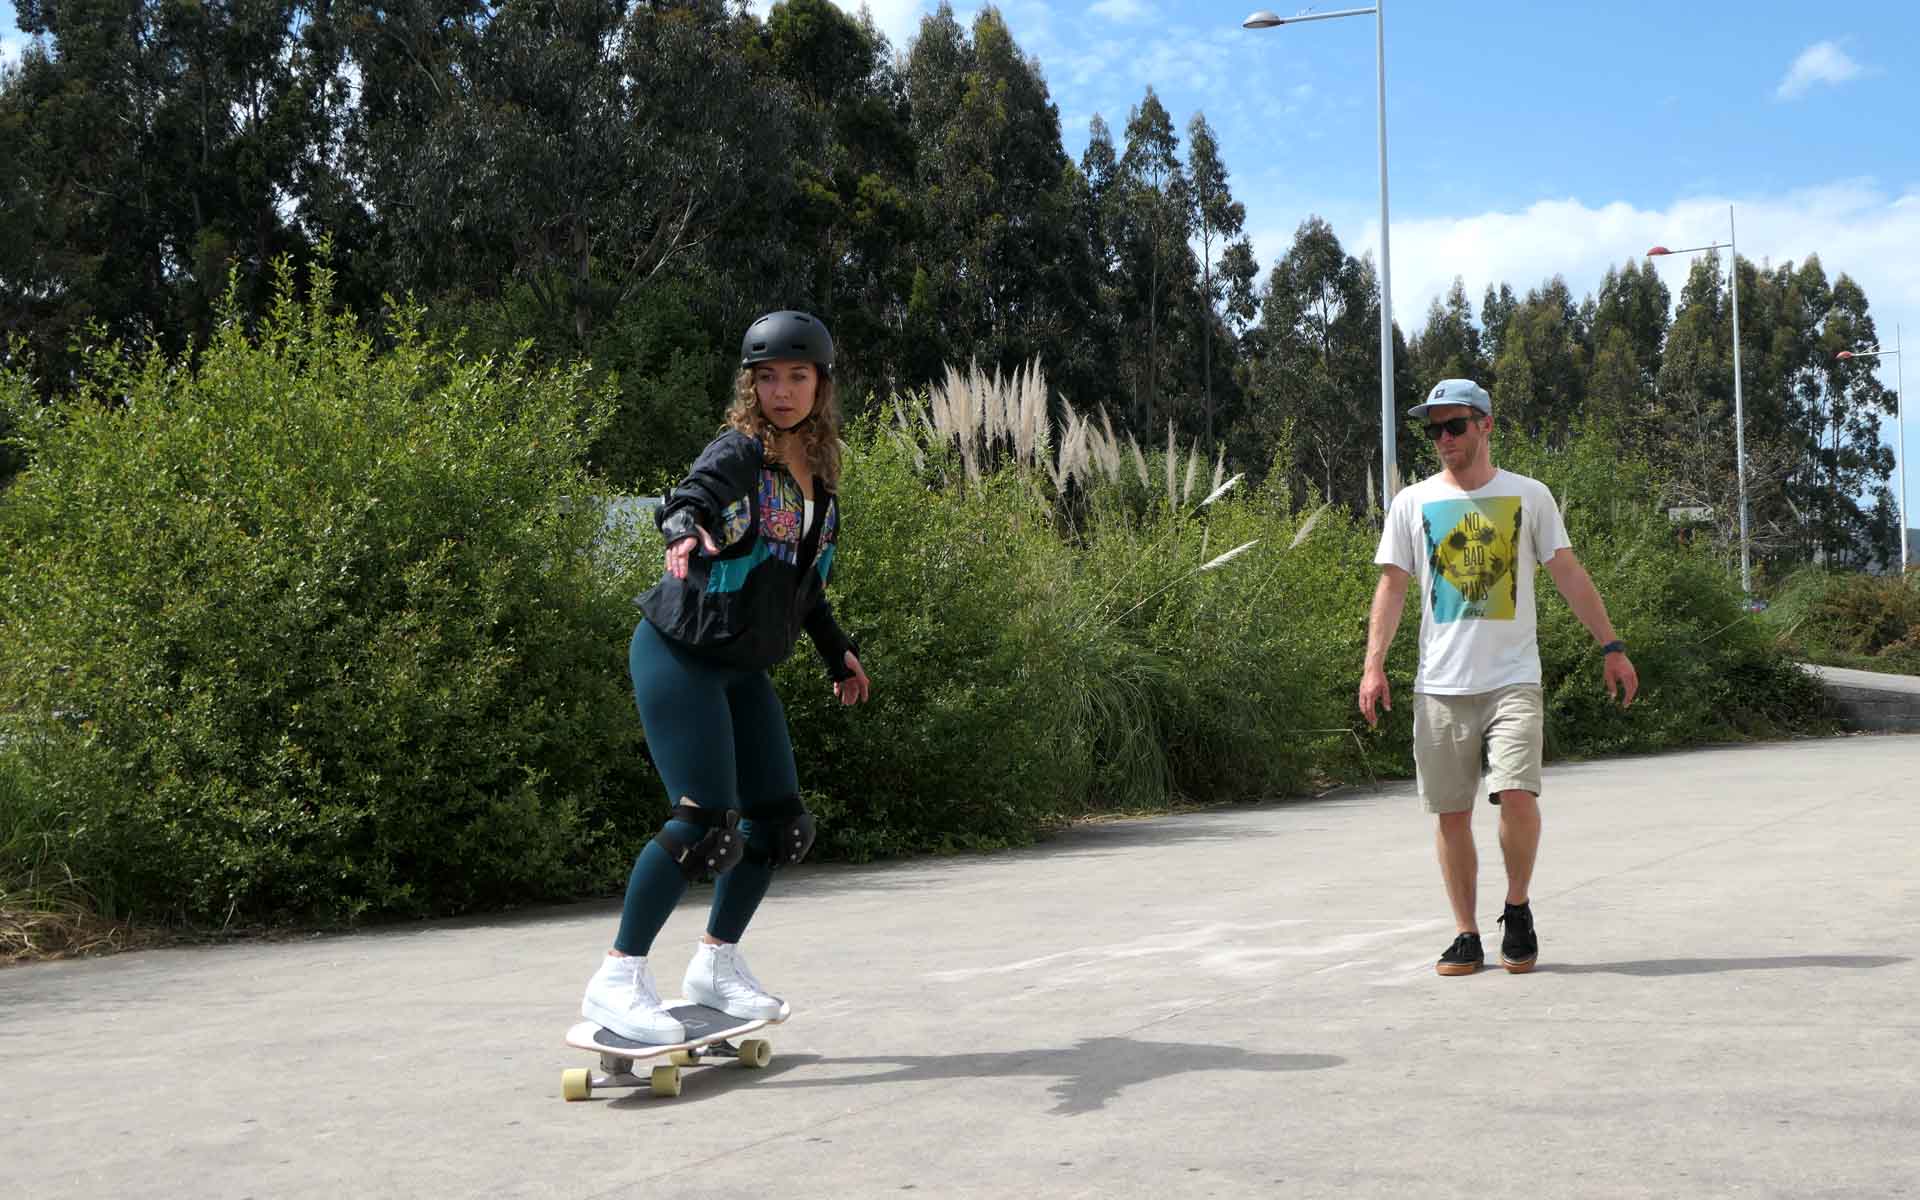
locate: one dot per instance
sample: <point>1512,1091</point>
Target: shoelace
<point>735,967</point>
<point>645,992</point>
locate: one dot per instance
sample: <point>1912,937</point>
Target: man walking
<point>1474,535</point>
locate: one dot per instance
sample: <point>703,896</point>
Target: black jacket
<point>746,606</point>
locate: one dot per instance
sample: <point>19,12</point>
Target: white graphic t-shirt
<point>1474,555</point>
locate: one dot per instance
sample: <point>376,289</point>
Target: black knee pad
<point>792,831</point>
<point>717,852</point>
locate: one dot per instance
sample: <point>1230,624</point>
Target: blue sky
<point>1524,139</point>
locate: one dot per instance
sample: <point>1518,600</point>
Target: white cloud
<point>1857,227</point>
<point>12,46</point>
<point>1854,226</point>
<point>1126,11</point>
<point>898,19</point>
<point>1822,62</point>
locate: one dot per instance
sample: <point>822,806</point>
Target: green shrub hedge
<point>1870,622</point>
<point>310,631</point>
<point>1709,670</point>
<point>307,630</point>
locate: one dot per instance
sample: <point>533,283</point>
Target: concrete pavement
<point>1230,1003</point>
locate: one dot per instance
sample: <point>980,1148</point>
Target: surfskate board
<point>710,1035</point>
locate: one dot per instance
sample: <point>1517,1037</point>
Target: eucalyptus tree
<point>1635,300</point>
<point>1448,346</point>
<point>1317,347</point>
<point>1159,212</point>
<point>842,244</point>
<point>150,149</point>
<point>1006,269</point>
<point>1541,371</point>
<point>585,149</point>
<point>1858,463</point>
<point>1218,216</point>
<point>1496,309</point>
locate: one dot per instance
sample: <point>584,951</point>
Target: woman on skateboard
<point>750,538</point>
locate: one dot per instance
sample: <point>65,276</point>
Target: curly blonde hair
<point>820,434</point>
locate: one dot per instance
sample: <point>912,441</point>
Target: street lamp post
<point>1389,419</point>
<point>1739,408</point>
<point>1899,426</point>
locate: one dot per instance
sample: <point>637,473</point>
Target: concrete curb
<point>1868,700</point>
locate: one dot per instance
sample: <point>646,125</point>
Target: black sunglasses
<point>1453,425</point>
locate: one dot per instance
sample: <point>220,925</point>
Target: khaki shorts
<point>1454,735</point>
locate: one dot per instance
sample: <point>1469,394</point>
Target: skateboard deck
<point>709,1038</point>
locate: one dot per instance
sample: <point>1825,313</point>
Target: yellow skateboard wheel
<point>576,1084</point>
<point>756,1053</point>
<point>665,1081</point>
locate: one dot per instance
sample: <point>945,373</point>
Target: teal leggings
<point>718,737</point>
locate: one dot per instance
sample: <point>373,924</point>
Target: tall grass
<point>1146,601</point>
<point>45,910</point>
<point>989,423</point>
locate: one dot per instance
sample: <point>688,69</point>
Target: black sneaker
<point>1518,947</point>
<point>1464,957</point>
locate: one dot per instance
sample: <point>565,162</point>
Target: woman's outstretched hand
<point>853,691</point>
<point>680,551</point>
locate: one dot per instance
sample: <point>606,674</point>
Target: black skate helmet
<point>788,334</point>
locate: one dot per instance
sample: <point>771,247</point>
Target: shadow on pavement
<point>1713,966</point>
<point>1087,1075</point>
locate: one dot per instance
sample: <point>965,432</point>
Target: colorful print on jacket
<point>780,508</point>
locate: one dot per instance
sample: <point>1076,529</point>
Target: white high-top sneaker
<point>622,997</point>
<point>718,978</point>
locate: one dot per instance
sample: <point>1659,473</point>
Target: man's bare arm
<point>1382,622</point>
<point>1577,586</point>
<point>1384,619</point>
<point>1617,673</point>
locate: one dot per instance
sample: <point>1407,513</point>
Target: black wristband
<point>1614,648</point>
<point>837,669</point>
<point>679,524</point>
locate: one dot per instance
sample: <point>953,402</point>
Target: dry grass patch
<point>43,919</point>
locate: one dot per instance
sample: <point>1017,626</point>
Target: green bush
<point>1850,620</point>
<point>951,602</point>
<point>1241,684</point>
<point>1041,654</point>
<point>1023,677</point>
<point>1709,671</point>
<point>311,632</point>
<point>305,631</point>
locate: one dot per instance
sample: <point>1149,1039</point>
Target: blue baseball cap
<point>1455,391</point>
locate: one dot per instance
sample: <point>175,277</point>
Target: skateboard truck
<point>616,1071</point>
